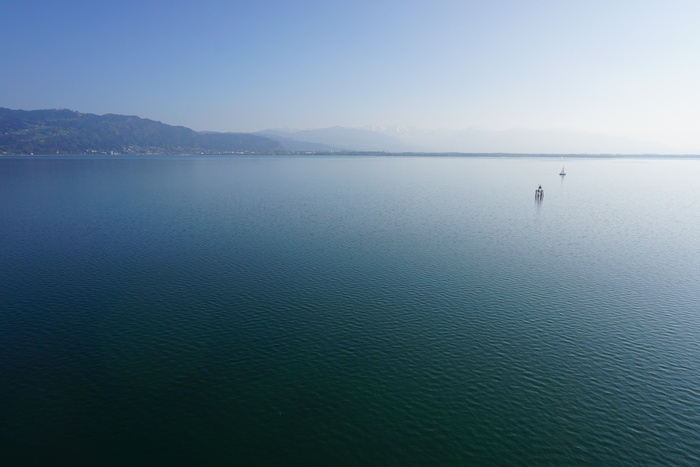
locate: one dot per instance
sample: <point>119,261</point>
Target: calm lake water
<point>349,311</point>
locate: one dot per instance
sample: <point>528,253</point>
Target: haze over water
<point>349,311</point>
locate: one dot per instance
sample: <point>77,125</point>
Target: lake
<point>349,311</point>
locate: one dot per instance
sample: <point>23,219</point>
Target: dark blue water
<point>349,311</point>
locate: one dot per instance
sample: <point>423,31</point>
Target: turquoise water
<point>349,311</point>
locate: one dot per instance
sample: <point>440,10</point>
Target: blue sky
<point>626,68</point>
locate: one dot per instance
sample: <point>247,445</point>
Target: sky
<point>626,68</point>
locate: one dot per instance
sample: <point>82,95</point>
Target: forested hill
<point>68,132</point>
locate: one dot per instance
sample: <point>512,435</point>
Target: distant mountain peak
<point>352,139</point>
<point>519,140</point>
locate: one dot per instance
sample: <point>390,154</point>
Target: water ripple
<point>271,312</point>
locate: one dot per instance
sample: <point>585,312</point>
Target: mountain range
<point>471,140</point>
<point>69,132</point>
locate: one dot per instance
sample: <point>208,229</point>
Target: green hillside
<point>68,132</point>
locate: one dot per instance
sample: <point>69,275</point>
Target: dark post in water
<point>539,193</point>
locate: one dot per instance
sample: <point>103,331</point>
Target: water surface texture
<point>349,311</point>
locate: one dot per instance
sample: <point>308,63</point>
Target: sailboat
<point>563,172</point>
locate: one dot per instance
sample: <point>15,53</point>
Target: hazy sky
<point>626,67</point>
